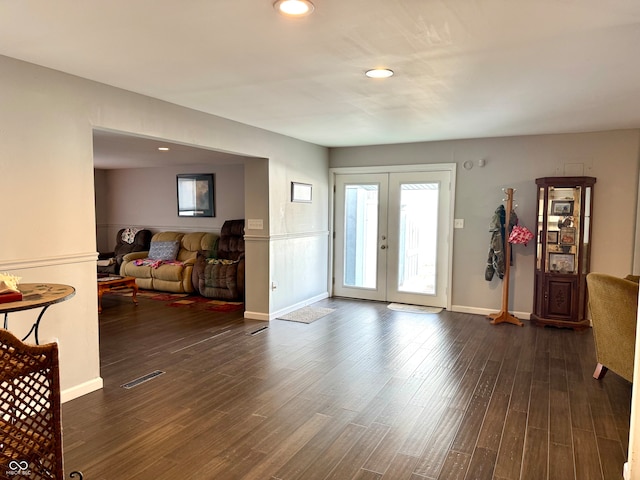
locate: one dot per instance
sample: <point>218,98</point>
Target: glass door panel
<point>418,239</point>
<point>361,234</point>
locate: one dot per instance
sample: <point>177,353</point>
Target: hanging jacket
<point>495,259</point>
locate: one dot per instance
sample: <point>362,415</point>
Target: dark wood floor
<point>364,393</point>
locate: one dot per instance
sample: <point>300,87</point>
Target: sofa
<point>168,265</point>
<point>128,240</point>
<point>221,275</point>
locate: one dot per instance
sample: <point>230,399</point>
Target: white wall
<point>146,198</point>
<point>47,175</point>
<point>300,235</point>
<point>611,157</point>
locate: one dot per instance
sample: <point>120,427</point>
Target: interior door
<point>392,237</point>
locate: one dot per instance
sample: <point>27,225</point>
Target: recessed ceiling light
<point>379,73</point>
<point>294,8</point>
<point>163,149</point>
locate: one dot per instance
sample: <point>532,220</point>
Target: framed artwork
<point>301,192</point>
<point>562,207</point>
<point>552,236</point>
<point>567,236</point>
<point>195,195</point>
<point>562,262</point>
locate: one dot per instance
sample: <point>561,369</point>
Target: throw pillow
<point>164,250</point>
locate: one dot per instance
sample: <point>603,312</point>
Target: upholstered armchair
<point>613,303</point>
<point>222,276</point>
<point>127,240</point>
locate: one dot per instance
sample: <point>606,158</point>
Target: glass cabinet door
<point>540,240</point>
<point>563,230</point>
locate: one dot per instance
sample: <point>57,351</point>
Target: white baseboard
<point>82,389</point>
<point>256,316</point>
<point>284,311</point>
<point>486,311</point>
<point>454,308</point>
<point>626,471</point>
<point>296,306</point>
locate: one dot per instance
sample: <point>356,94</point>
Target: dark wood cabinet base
<point>543,322</point>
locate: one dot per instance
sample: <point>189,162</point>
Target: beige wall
<point>46,172</point>
<point>146,198</point>
<point>611,157</point>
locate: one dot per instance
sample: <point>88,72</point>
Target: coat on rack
<point>495,259</point>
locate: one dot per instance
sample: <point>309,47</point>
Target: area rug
<point>185,300</point>
<point>401,307</point>
<point>306,314</point>
<point>207,304</point>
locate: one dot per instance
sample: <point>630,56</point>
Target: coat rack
<point>504,316</point>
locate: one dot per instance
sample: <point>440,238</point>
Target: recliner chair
<point>222,277</point>
<point>124,244</point>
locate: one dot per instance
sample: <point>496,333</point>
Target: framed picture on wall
<point>195,195</point>
<point>300,192</point>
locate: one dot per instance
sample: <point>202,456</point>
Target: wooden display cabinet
<point>563,250</point>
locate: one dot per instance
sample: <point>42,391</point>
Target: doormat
<point>401,307</point>
<point>306,314</point>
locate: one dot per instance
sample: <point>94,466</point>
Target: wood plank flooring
<point>363,393</point>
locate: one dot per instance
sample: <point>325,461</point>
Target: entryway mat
<point>306,314</point>
<point>402,307</point>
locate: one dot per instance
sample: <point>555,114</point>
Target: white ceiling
<point>464,68</point>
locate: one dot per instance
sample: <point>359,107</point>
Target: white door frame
<point>430,167</point>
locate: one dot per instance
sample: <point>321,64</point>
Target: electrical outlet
<point>458,223</point>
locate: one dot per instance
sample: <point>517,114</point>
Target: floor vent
<point>260,330</point>
<point>144,378</point>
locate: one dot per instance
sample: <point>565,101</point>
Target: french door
<point>392,237</point>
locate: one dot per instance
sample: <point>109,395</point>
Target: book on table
<point>8,297</point>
